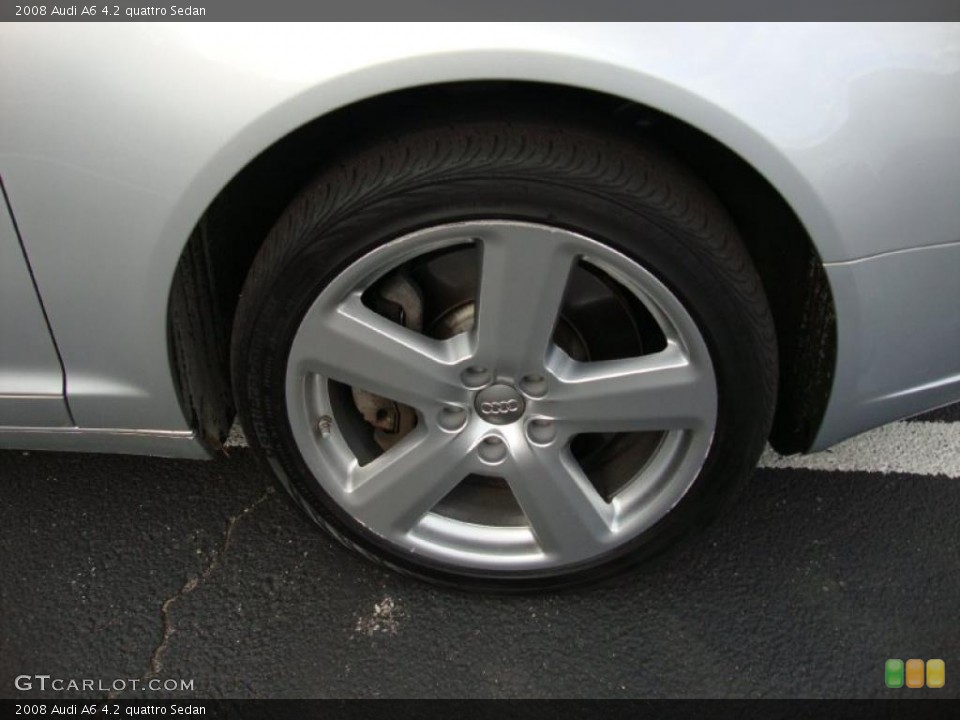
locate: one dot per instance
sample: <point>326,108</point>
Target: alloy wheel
<point>489,428</point>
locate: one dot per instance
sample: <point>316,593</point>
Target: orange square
<point>915,673</point>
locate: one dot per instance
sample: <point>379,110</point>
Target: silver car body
<point>114,139</point>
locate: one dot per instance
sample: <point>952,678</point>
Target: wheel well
<point>222,247</point>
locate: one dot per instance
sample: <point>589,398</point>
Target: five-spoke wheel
<point>501,399</point>
<point>505,355</point>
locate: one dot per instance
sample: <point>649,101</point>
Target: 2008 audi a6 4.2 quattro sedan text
<point>501,306</point>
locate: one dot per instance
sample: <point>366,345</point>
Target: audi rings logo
<point>499,407</point>
<point>499,404</point>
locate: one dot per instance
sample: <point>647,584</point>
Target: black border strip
<point>486,709</point>
<point>488,10</point>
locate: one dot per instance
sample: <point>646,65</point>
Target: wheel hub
<point>500,404</point>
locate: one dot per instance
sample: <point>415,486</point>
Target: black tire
<point>621,191</point>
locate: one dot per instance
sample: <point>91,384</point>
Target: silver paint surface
<point>115,138</point>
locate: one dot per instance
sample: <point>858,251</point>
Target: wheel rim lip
<point>454,544</point>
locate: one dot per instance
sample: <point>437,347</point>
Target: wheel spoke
<point>353,345</point>
<point>566,513</point>
<point>391,493</point>
<point>661,391</point>
<point>523,277</point>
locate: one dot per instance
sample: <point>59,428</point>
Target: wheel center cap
<point>500,404</point>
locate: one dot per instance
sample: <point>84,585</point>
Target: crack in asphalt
<point>169,630</point>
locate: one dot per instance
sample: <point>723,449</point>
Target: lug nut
<point>476,376</point>
<point>533,385</point>
<point>492,450</point>
<point>541,431</point>
<point>452,418</point>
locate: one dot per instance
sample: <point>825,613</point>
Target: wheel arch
<point>256,186</point>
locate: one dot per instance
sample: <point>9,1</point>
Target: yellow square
<point>936,673</point>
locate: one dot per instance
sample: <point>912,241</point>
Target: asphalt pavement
<point>123,568</point>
